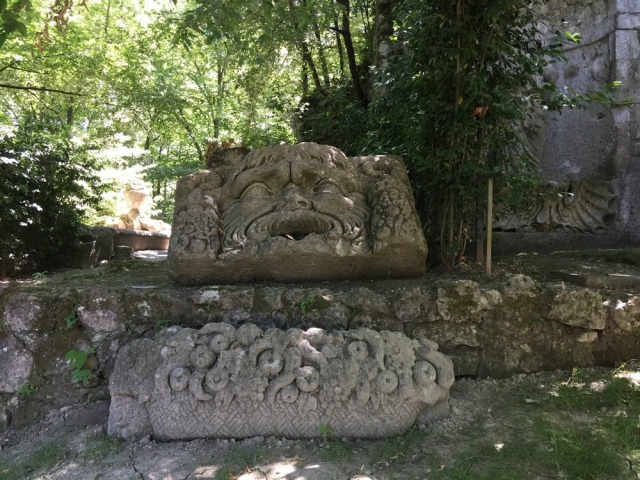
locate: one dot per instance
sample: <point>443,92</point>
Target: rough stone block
<point>15,365</point>
<point>102,315</point>
<point>628,6</point>
<point>464,297</point>
<point>627,45</point>
<point>579,308</point>
<point>626,315</point>
<point>629,21</point>
<point>296,212</point>
<point>224,382</point>
<point>23,313</point>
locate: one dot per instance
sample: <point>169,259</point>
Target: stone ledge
<point>141,239</point>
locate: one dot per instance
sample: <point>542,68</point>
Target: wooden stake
<point>479,230</point>
<point>489,223</point>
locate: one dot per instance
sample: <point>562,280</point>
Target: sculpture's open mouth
<point>297,225</point>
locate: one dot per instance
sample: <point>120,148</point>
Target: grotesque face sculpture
<point>283,193</point>
<point>296,212</point>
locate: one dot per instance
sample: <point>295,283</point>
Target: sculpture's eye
<point>327,187</point>
<point>256,190</point>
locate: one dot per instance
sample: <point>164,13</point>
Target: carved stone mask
<point>295,212</point>
<point>283,192</point>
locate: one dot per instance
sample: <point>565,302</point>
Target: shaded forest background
<point>98,93</point>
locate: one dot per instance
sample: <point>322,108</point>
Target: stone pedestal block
<point>296,212</point>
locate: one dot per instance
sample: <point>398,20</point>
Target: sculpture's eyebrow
<point>275,176</point>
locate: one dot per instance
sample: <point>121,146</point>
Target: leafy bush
<point>45,184</point>
<point>333,118</point>
<point>458,103</point>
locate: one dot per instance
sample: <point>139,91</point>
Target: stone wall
<point>495,329</point>
<point>589,157</point>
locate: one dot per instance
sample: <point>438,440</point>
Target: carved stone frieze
<point>224,382</point>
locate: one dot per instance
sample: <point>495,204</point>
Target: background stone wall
<point>591,155</point>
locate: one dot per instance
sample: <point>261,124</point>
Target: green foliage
<point>161,325</point>
<point>334,449</point>
<point>76,361</point>
<point>10,13</point>
<point>44,183</point>
<point>325,430</point>
<point>307,302</point>
<point>458,105</point>
<point>71,319</point>
<point>333,117</point>
<point>27,390</point>
<point>39,275</point>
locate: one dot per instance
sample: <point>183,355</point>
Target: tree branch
<point>40,89</point>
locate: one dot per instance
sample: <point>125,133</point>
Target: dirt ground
<point>563,424</point>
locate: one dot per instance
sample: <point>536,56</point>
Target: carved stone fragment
<point>224,382</point>
<point>579,206</point>
<point>296,212</point>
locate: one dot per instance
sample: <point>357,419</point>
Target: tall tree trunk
<point>351,54</point>
<point>321,56</point>
<point>219,100</point>
<point>339,45</point>
<point>305,80</point>
<point>308,59</point>
<point>107,19</point>
<point>382,32</point>
<point>189,131</point>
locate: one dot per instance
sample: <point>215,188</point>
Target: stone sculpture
<point>580,206</point>
<point>295,212</point>
<point>135,194</point>
<point>228,382</point>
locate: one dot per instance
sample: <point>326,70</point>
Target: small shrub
<point>70,320</point>
<point>307,302</point>
<point>76,360</point>
<point>27,390</point>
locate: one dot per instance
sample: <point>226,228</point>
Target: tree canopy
<point>157,84</point>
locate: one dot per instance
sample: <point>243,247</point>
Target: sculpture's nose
<point>293,200</point>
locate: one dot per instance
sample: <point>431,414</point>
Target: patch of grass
<point>241,460</point>
<point>40,275</point>
<point>161,325</point>
<point>43,459</point>
<point>99,448</point>
<point>395,449</point>
<point>333,449</point>
<point>579,431</point>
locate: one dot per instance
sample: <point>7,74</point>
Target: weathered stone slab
<point>224,382</point>
<point>296,212</point>
<point>599,281</point>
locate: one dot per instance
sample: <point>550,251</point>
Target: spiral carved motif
<point>227,382</point>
